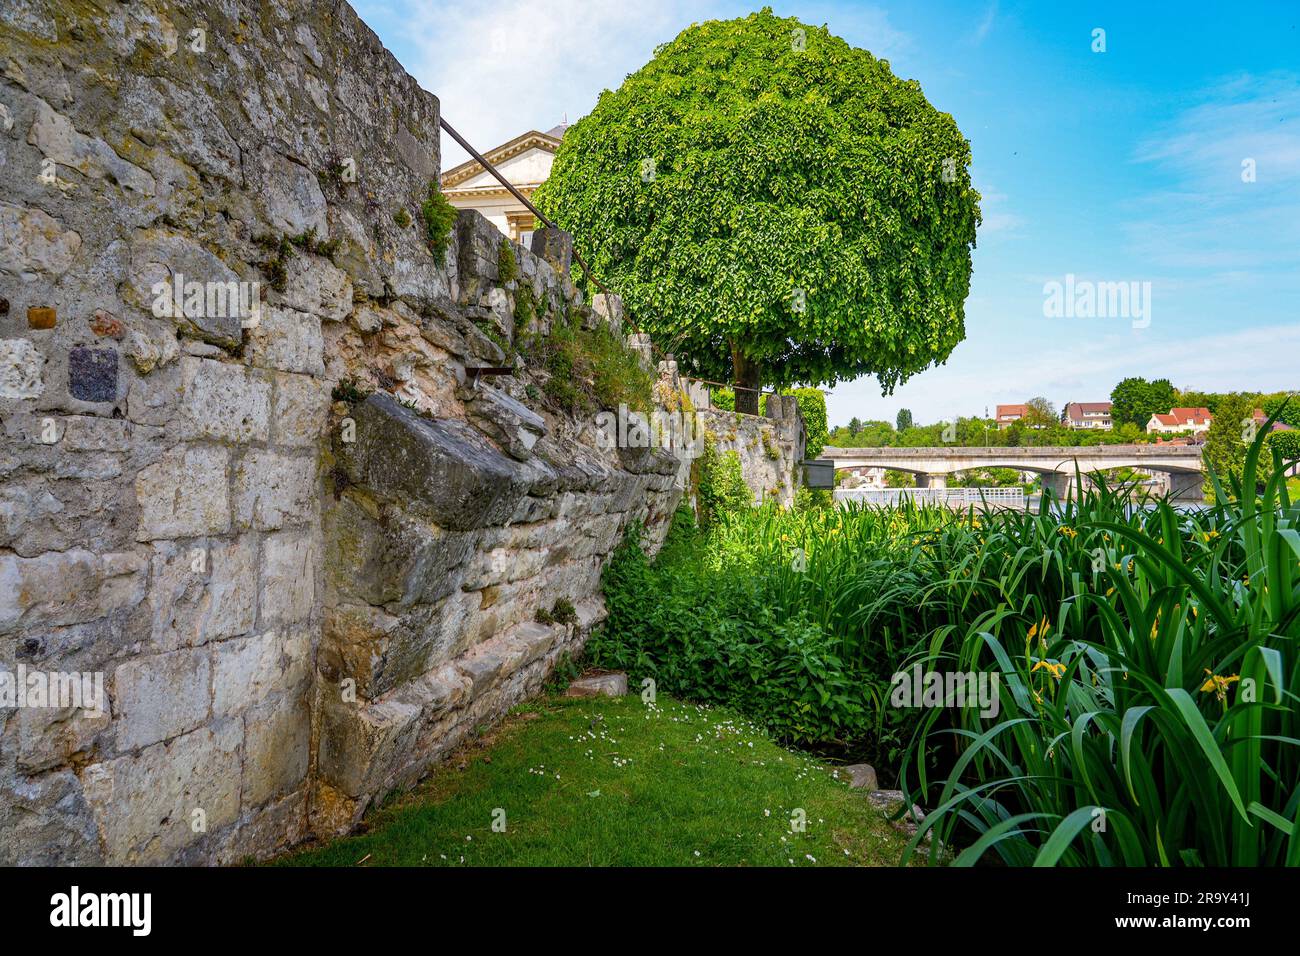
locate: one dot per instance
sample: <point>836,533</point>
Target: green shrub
<point>1148,661</point>
<point>812,406</point>
<point>507,265</point>
<point>593,369</point>
<point>721,489</point>
<point>439,217</point>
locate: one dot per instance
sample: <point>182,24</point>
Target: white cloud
<point>1208,216</point>
<point>986,23</point>
<point>504,68</point>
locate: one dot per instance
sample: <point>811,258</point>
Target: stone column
<point>1186,486</point>
<point>1061,484</point>
<point>932,481</point>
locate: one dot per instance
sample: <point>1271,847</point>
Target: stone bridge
<point>1058,466</point>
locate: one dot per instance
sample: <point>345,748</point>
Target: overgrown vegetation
<point>280,249</point>
<point>507,264</point>
<point>720,487</point>
<point>561,612</point>
<point>350,391</point>
<point>1148,661</point>
<point>439,216</point>
<point>592,369</point>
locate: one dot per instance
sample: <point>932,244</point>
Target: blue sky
<point>1116,166</point>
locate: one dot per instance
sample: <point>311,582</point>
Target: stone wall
<point>294,602</point>
<point>770,446</point>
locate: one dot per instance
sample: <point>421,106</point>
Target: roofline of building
<point>497,154</point>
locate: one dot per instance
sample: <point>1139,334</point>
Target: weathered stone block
<point>391,559</point>
<point>145,804</point>
<point>861,776</point>
<point>32,242</point>
<point>161,262</point>
<point>249,670</point>
<point>598,685</point>
<point>224,402</point>
<point>361,744</point>
<point>277,742</point>
<point>444,470</point>
<point>20,369</point>
<point>290,563</point>
<point>90,433</point>
<point>299,409</point>
<point>202,592</point>
<point>314,285</point>
<point>161,696</point>
<point>67,587</point>
<point>46,821</point>
<point>50,736</point>
<point>288,340</point>
<point>185,494</point>
<point>556,247</point>
<point>273,490</point>
<point>41,317</point>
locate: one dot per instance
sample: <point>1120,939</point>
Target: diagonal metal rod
<point>528,205</point>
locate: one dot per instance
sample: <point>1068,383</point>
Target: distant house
<point>524,161</point>
<point>1087,415</point>
<point>1261,417</point>
<point>1007,414</point>
<point>1180,420</point>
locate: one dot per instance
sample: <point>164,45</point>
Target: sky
<point>1170,160</point>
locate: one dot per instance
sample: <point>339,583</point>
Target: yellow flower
<point>1109,592</point>
<point>1217,684</point>
<point>1069,532</point>
<point>1052,667</point>
<point>1210,535</point>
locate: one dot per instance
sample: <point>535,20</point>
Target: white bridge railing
<point>958,497</point>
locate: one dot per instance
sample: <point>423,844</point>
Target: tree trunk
<point>747,376</point>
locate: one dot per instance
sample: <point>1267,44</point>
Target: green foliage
<point>1285,443</point>
<point>525,309</point>
<point>507,264</point>
<point>1134,400</point>
<point>903,420</point>
<point>721,489</point>
<point>593,369</point>
<point>812,406</point>
<point>1148,662</point>
<point>1225,445</point>
<point>402,218</point>
<point>348,390</point>
<point>562,612</point>
<point>439,216</point>
<point>805,206</point>
<point>1158,693</point>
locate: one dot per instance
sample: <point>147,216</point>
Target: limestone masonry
<point>253,472</point>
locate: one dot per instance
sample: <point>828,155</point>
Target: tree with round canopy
<point>775,206</point>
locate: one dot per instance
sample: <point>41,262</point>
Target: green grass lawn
<point>614,782</point>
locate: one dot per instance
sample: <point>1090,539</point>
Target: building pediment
<point>520,153</point>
